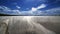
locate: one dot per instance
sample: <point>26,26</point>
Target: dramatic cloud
<point>6,10</point>
<point>39,7</point>
<point>53,11</point>
<point>33,11</point>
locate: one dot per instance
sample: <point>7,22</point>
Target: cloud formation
<point>33,11</point>
<point>39,7</point>
<point>6,10</point>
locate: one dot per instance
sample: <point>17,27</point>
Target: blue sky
<point>29,7</point>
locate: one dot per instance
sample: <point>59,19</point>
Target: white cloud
<point>16,11</point>
<point>18,7</point>
<point>39,7</point>
<point>6,10</point>
<point>33,11</point>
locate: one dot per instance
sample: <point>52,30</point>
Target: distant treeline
<point>6,15</point>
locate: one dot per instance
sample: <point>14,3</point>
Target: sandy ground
<point>30,24</point>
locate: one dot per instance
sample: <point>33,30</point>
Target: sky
<point>30,7</point>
